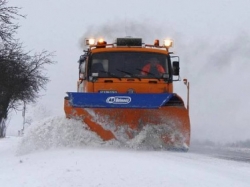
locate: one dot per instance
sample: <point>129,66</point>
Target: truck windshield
<point>129,64</point>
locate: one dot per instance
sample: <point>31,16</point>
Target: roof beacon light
<point>100,40</point>
<point>156,43</point>
<point>168,43</point>
<point>90,41</point>
<point>101,43</point>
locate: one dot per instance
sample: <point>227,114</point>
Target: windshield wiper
<point>128,73</point>
<point>111,74</point>
<point>149,74</point>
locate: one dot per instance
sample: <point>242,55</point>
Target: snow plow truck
<point>126,87</point>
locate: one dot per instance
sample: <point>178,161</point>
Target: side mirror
<point>82,67</point>
<point>176,68</point>
<point>82,59</point>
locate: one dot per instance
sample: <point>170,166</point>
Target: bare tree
<point>7,16</point>
<point>21,78</point>
<point>21,74</point>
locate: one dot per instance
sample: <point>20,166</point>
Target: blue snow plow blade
<point>115,100</point>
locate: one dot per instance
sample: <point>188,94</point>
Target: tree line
<point>22,74</point>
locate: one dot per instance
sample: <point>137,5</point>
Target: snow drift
<point>58,132</point>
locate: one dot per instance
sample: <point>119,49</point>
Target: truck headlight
<point>168,43</point>
<point>90,41</point>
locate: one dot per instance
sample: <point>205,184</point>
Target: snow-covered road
<point>93,166</point>
<point>228,153</point>
<point>58,152</point>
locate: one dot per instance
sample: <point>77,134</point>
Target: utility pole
<point>23,114</point>
<point>186,82</point>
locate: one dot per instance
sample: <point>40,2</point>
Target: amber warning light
<point>156,43</point>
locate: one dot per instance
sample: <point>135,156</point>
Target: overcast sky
<point>211,37</point>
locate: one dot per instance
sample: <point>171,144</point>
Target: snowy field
<point>60,153</point>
